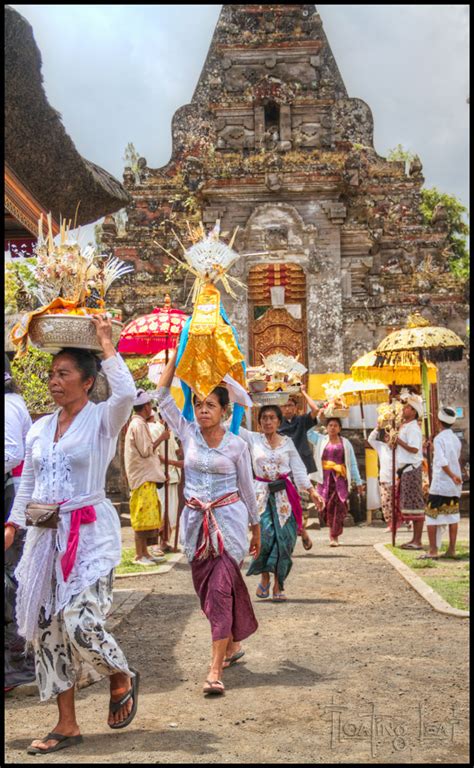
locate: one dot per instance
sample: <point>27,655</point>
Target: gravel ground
<point>355,668</point>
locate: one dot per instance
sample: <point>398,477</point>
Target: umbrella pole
<point>394,520</point>
<point>166,531</point>
<point>362,416</point>
<point>425,411</point>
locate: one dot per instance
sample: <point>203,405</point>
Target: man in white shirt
<point>409,458</point>
<point>446,486</point>
<point>378,440</point>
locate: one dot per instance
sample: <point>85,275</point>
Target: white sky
<point>117,73</point>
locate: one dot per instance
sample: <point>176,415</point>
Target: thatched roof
<point>37,146</point>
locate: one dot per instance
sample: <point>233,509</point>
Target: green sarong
<point>277,544</point>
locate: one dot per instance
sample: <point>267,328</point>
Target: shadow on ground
<point>192,742</point>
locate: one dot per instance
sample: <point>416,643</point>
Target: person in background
<point>175,465</point>
<point>296,427</point>
<point>446,486</point>
<point>409,459</point>
<point>18,664</point>
<point>336,468</point>
<point>379,441</point>
<point>144,472</point>
<point>279,475</point>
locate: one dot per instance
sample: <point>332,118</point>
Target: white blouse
<point>73,469</point>
<point>17,424</point>
<point>208,474</point>
<point>270,463</point>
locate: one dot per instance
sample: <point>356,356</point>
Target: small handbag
<point>276,485</point>
<point>42,515</point>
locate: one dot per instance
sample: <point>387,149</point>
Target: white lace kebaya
<point>211,473</point>
<point>71,470</point>
<point>270,464</point>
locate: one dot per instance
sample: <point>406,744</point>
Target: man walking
<point>296,426</point>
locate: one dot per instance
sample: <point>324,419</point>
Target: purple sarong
<point>224,597</point>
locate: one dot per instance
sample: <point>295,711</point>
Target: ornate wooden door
<point>277,331</point>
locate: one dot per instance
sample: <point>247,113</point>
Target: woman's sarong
<point>335,510</point>
<point>145,511</point>
<point>73,646</point>
<point>224,597</point>
<point>412,504</point>
<point>277,544</point>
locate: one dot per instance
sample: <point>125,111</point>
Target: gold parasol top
<point>403,369</point>
<point>370,392</point>
<point>432,342</point>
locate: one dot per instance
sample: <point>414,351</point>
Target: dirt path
<point>356,667</point>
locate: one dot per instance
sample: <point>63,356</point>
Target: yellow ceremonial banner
<point>178,396</point>
<point>211,351</point>
<point>371,463</point>
<point>316,380</point>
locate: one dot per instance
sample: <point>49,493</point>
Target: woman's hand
<point>103,329</point>
<point>317,499</point>
<point>9,536</point>
<point>254,546</point>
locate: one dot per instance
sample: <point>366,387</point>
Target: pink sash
<point>79,517</point>
<point>212,544</point>
<point>293,498</point>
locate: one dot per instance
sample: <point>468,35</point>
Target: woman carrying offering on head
<point>220,505</point>
<point>336,468</point>
<point>66,571</point>
<point>278,469</point>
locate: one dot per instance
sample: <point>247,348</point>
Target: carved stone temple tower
<point>272,142</point>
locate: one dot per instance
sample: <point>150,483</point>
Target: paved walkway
<point>356,667</point>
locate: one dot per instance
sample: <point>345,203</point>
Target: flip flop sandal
<point>279,597</point>
<point>264,590</point>
<point>307,544</point>
<point>410,546</point>
<point>428,557</point>
<point>234,658</point>
<point>114,706</point>
<point>63,742</point>
<point>214,687</point>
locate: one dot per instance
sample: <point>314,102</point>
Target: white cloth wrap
<point>41,560</point>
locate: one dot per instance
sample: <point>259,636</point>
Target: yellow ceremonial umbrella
<point>430,343</point>
<point>404,369</point>
<point>370,392</point>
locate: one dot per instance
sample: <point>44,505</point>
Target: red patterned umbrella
<point>153,333</point>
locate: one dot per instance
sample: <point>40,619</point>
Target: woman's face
<point>209,412</point>
<point>333,428</point>
<point>269,422</point>
<point>66,384</point>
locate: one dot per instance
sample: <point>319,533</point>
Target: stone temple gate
<point>273,143</point>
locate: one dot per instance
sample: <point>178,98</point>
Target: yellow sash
<point>340,469</point>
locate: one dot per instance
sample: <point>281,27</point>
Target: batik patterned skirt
<point>412,504</point>
<point>73,646</point>
<point>277,544</point>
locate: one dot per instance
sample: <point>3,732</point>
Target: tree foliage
<point>457,215</point>
<point>458,229</point>
<point>31,372</point>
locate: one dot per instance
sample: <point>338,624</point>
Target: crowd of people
<point>245,494</point>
